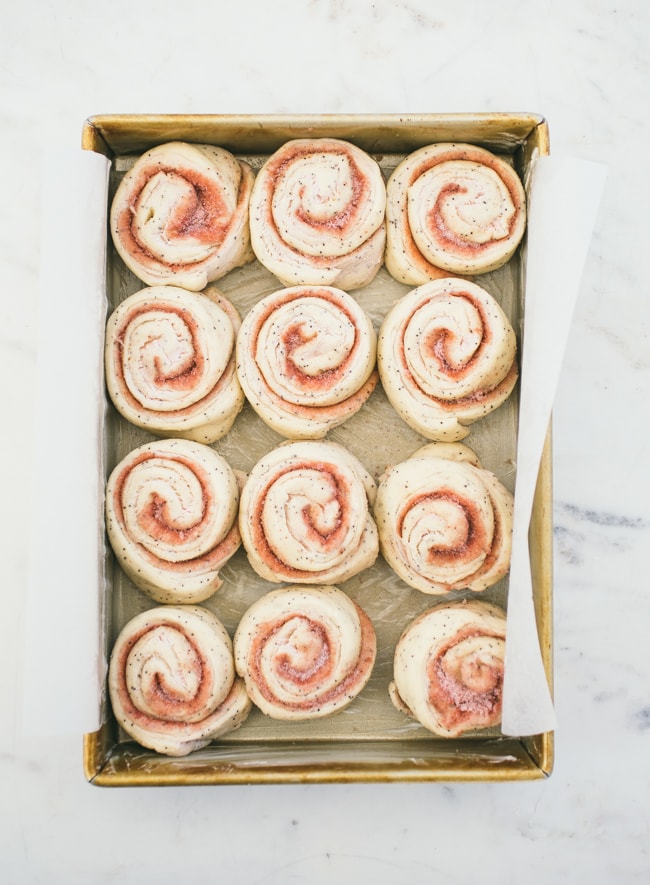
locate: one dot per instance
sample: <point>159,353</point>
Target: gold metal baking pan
<point>368,741</point>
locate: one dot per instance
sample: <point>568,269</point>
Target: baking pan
<point>369,741</point>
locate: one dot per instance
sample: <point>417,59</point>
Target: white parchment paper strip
<point>564,197</point>
<point>63,669</point>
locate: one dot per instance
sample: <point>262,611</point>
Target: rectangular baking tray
<point>369,741</point>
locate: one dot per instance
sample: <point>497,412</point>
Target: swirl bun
<point>446,355</point>
<point>304,514</point>
<point>170,362</point>
<point>306,359</point>
<point>304,652</point>
<point>448,668</point>
<point>317,214</point>
<point>171,518</point>
<point>444,522</point>
<point>452,208</point>
<point>180,215</point>
<point>172,680</point>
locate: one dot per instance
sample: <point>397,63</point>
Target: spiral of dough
<point>444,522</point>
<point>172,680</point>
<point>170,362</point>
<point>304,514</point>
<point>304,652</point>
<point>180,215</point>
<point>448,668</point>
<point>446,355</point>
<point>306,359</point>
<point>452,209</point>
<point>171,518</point>
<point>317,214</point>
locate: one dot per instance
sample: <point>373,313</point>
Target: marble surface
<point>583,65</point>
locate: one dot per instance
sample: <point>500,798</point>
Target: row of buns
<point>307,358</point>
<point>177,681</point>
<point>308,512</point>
<point>318,212</point>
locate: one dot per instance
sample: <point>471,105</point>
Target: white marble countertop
<point>584,65</point>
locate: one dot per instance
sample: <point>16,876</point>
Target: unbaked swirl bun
<point>304,514</point>
<point>171,518</point>
<point>446,355</point>
<point>180,215</point>
<point>304,652</point>
<point>172,680</point>
<point>306,359</point>
<point>452,208</point>
<point>444,522</point>
<point>448,668</point>
<point>170,362</point>
<point>317,214</point>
